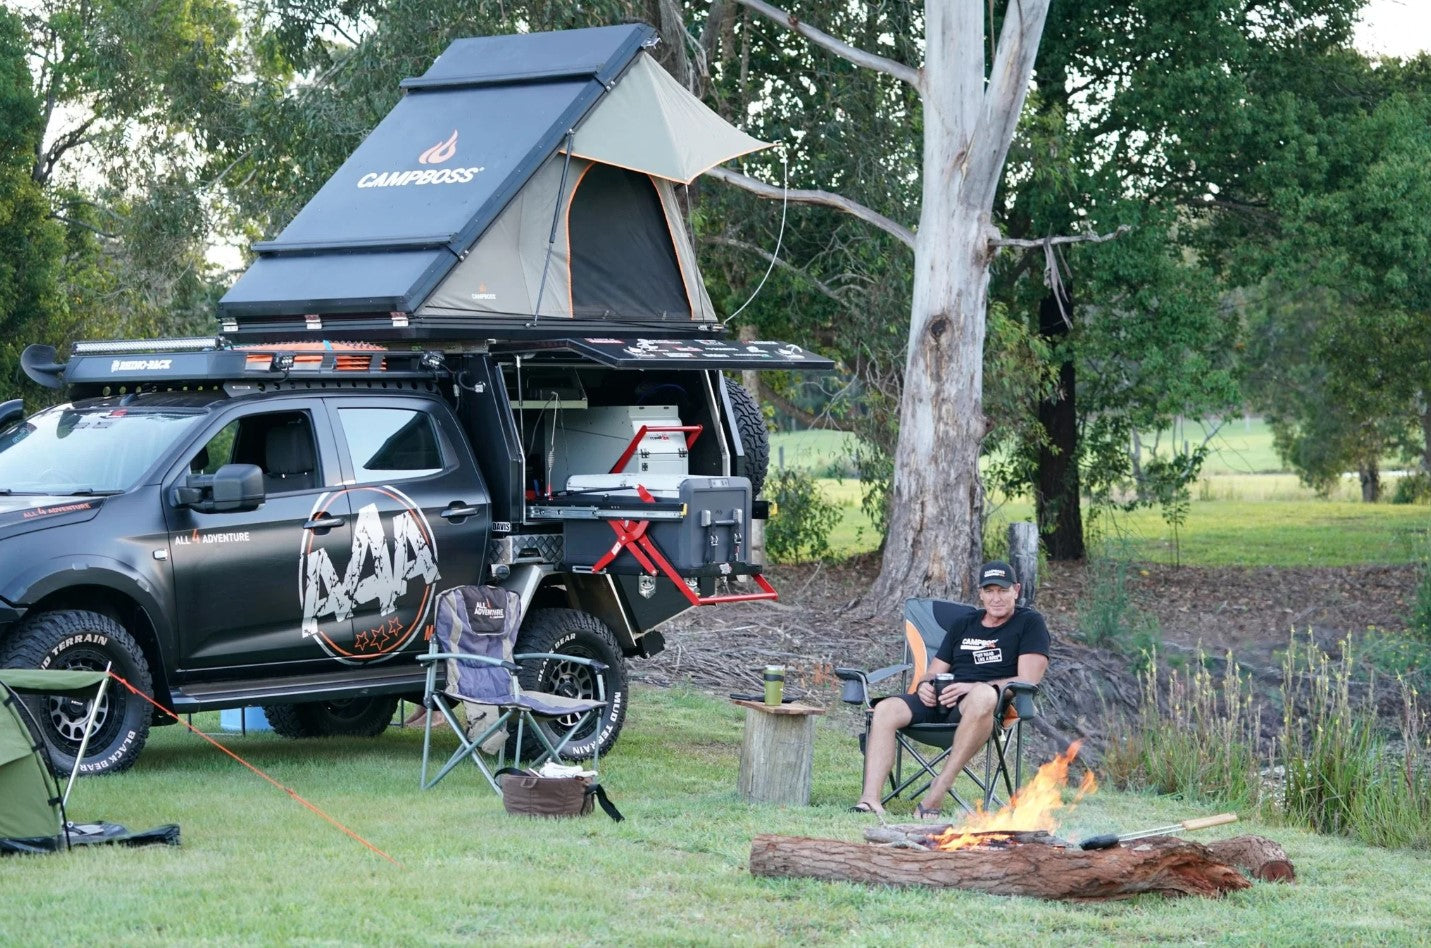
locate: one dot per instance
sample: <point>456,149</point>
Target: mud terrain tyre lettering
<point>571,632</point>
<point>749,422</point>
<point>79,639</point>
<point>351,717</point>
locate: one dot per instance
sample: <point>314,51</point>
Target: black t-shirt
<point>977,653</point>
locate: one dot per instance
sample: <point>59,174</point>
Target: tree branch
<point>1052,241</point>
<point>828,43</point>
<point>826,198</point>
<point>823,288</point>
<point>1004,97</point>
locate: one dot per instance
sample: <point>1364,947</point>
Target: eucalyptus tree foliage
<point>31,242</point>
<point>1172,117</point>
<point>1340,350</point>
<point>124,91</point>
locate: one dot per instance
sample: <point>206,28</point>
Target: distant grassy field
<point>1245,510</point>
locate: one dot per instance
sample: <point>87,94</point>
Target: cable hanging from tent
<point>780,236</point>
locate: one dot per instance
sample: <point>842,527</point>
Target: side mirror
<point>231,489</point>
<point>11,412</point>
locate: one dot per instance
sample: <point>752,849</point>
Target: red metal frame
<point>631,537</point>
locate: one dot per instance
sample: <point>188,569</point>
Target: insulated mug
<point>774,683</point>
<point>941,681</point>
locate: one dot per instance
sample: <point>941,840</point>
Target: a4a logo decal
<point>390,572</point>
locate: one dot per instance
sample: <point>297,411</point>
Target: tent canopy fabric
<point>477,169</point>
<point>30,816</point>
<point>651,123</point>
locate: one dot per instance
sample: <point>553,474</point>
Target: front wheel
<point>89,641</point>
<point>582,635</point>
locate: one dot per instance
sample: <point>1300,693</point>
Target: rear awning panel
<point>640,353</point>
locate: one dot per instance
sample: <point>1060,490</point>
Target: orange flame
<point>440,152</point>
<point>1034,807</point>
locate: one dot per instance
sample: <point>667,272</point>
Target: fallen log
<point>1160,864</point>
<point>1258,856</point>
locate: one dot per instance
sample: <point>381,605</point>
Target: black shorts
<point>921,713</point>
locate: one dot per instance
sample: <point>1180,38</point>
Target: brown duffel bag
<point>526,794</point>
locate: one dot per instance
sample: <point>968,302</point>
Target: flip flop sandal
<point>862,808</point>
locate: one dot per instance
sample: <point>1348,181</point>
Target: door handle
<point>461,511</point>
<point>323,524</point>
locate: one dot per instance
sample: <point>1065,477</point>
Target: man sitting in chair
<point>1000,643</point>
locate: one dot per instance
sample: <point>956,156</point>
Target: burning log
<point>1258,856</point>
<point>1161,864</point>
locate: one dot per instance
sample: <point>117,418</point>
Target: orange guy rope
<point>288,790</point>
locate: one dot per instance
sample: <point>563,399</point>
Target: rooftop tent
<point>520,176</point>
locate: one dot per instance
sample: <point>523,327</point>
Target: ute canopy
<point>520,176</point>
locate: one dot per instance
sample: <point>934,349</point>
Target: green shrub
<point>800,530</point>
<point>1107,615</point>
<point>1412,489</point>
<point>1196,736</point>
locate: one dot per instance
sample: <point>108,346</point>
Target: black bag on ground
<point>527,794</point>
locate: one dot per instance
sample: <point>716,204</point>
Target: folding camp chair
<point>472,642</point>
<point>926,621</point>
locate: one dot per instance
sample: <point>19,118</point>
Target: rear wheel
<point>582,635</point>
<point>351,717</point>
<point>79,639</point>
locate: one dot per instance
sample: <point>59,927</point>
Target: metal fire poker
<point>1109,841</point>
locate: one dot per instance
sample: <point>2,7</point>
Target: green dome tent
<point>32,815</point>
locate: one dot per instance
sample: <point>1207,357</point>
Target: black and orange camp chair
<point>926,622</point>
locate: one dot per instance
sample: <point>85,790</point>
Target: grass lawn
<point>257,868</point>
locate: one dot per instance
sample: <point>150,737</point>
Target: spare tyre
<point>749,423</point>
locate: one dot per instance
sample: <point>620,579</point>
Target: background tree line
<point>1272,182</point>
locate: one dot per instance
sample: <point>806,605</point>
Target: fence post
<point>1023,557</point>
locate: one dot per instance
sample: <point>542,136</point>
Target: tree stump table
<point>777,755</point>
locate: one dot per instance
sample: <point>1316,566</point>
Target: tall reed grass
<point>1342,767</point>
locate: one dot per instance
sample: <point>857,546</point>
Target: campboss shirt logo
<point>986,651</point>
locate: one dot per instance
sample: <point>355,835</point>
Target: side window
<point>279,442</point>
<point>217,452</point>
<point>391,443</point>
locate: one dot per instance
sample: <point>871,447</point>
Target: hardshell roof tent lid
<point>520,176</point>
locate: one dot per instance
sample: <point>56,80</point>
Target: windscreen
<point>87,450</point>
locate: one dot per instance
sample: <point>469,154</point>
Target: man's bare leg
<point>976,723</point>
<point>889,716</point>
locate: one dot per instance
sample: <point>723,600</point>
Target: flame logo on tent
<point>440,152</point>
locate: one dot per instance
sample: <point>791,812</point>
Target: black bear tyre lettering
<point>80,639</point>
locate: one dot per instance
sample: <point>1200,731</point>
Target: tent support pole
<point>556,216</point>
<point>88,729</point>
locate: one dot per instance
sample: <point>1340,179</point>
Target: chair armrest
<point>464,657</point>
<point>575,659</point>
<point>857,681</point>
<point>1021,694</point>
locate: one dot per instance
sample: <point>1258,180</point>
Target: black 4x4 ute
<point>472,358</point>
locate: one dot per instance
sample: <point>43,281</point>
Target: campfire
<point>1031,815</point>
<point>1015,850</point>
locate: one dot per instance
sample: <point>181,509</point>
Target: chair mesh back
<point>478,620</point>
<point>926,622</point>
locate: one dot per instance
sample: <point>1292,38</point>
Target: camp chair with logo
<point>926,621</point>
<point>472,643</point>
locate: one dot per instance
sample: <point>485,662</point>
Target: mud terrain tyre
<point>580,634</point>
<point>351,717</point>
<point>749,422</point>
<point>79,639</point>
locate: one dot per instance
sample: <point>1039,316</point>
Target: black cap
<point>997,573</point>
